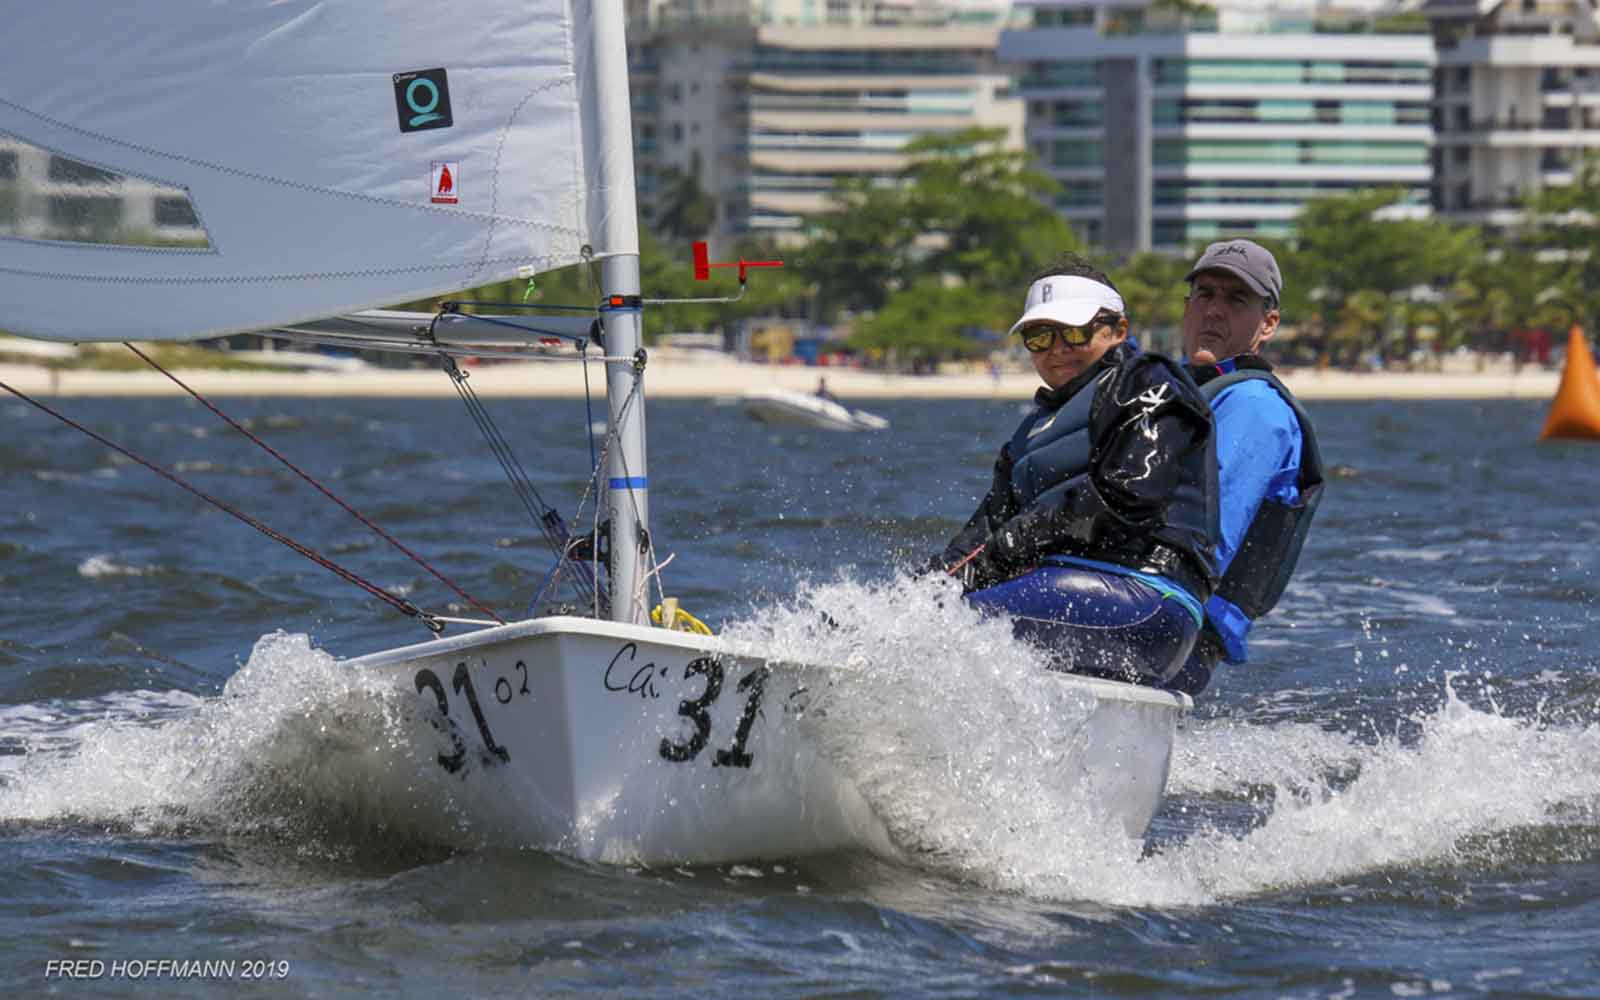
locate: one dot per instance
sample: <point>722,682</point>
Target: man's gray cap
<point>1248,260</point>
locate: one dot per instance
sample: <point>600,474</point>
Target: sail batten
<point>338,155</point>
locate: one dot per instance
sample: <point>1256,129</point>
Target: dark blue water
<point>1398,798</point>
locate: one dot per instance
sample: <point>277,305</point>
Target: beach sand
<point>691,374</point>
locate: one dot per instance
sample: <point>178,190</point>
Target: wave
<point>956,748</point>
<point>934,712</point>
<point>296,748</point>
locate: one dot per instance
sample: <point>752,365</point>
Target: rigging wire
<point>433,624</point>
<point>544,517</point>
<point>316,485</point>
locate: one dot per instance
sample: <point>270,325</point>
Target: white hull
<point>624,743</point>
<point>804,409</point>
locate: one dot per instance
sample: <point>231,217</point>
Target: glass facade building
<point>1169,129</point>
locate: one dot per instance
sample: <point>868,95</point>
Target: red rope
<point>404,606</point>
<point>317,486</point>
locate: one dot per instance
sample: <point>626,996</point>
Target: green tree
<point>1347,247</point>
<point>965,225</point>
<point>1359,325</point>
<point>684,212</point>
<point>930,321</point>
<point>1152,286</point>
<point>861,249</point>
<point>962,207</point>
<point>1564,233</point>
<point>988,210</point>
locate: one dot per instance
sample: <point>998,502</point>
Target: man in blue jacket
<point>1269,466</point>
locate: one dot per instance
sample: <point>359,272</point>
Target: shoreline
<point>691,375</point>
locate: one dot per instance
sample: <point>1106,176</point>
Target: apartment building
<point>768,109</point>
<point>46,196</point>
<point>1517,102</point>
<point>1169,125</point>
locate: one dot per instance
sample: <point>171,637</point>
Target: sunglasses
<point>1039,337</point>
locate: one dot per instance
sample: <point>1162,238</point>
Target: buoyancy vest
<point>1051,452</point>
<point>1051,449</point>
<point>1267,554</point>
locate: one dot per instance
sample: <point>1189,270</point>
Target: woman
<point>1098,532</point>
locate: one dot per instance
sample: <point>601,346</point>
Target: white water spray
<point>934,711</point>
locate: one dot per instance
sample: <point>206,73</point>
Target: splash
<point>1472,773</point>
<point>938,716</point>
<point>952,743</point>
<point>99,566</point>
<point>297,747</point>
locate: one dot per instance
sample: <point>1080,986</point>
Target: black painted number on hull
<point>427,680</point>
<point>698,711</point>
<point>463,682</point>
<point>755,682</point>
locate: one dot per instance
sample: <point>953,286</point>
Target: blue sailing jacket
<point>1270,472</point>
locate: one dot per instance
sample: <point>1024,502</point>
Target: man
<point>1096,536</point>
<point>1269,466</point>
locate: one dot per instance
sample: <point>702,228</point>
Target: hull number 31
<point>698,711</point>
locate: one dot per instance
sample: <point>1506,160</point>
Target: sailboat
<point>189,169</point>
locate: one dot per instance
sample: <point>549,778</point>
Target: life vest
<point>1051,452</point>
<point>1267,554</point>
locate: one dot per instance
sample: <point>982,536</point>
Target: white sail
<point>305,145</point>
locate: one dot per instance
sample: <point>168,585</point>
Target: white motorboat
<point>776,405</point>
<point>607,739</point>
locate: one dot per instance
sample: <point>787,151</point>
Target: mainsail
<point>321,156</point>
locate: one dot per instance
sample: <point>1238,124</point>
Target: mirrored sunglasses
<point>1038,337</point>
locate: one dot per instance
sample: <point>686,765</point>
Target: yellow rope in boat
<point>682,621</point>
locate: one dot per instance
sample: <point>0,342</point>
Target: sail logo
<point>422,100</point>
<point>444,182</point>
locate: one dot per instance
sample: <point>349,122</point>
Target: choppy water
<point>1398,799</point>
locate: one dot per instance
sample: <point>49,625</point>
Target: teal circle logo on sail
<point>422,100</point>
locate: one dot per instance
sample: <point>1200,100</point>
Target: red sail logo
<point>442,182</point>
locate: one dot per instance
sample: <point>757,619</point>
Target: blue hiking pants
<point>1100,623</point>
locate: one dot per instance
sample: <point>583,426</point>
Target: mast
<point>614,223</point>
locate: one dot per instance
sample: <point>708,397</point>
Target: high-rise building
<point>1517,102</point>
<point>768,115</point>
<point>1169,124</point>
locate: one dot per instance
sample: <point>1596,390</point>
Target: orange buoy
<point>1575,412</point>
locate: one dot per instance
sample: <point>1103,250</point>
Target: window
<point>87,218</point>
<point>175,212</point>
<point>46,195</point>
<point>72,172</point>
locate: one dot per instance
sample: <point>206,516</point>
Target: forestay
<point>314,157</point>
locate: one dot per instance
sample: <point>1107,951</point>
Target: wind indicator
<point>702,272</point>
<point>703,263</point>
